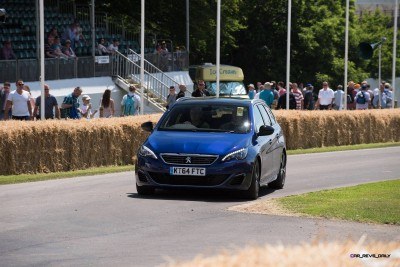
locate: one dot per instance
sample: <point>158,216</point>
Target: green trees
<point>254,32</point>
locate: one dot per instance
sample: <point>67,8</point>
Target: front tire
<point>252,192</point>
<point>279,183</point>
<point>144,190</point>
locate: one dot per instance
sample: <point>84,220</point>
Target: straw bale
<point>64,145</point>
<point>313,254</point>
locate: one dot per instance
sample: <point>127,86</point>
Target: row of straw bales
<point>52,146</point>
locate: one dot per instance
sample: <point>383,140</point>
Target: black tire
<point>279,183</point>
<point>252,192</point>
<point>144,190</point>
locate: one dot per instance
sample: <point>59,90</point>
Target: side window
<point>264,115</point>
<point>271,115</point>
<point>258,120</point>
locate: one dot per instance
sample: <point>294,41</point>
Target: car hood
<point>197,142</point>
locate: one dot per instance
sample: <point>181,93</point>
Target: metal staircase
<point>126,71</point>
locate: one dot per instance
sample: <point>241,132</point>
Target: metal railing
<point>55,69</point>
<point>128,69</point>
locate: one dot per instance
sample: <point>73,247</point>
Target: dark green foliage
<point>254,32</point>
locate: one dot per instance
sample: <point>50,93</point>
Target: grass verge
<point>372,203</point>
<point>341,148</point>
<point>23,178</point>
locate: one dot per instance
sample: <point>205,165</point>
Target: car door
<point>276,143</point>
<point>264,144</point>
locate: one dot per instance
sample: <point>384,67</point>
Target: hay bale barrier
<point>65,145</point>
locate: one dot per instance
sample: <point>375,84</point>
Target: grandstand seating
<point>20,29</point>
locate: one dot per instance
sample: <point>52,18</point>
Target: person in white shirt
<point>114,46</point>
<point>325,97</point>
<point>19,101</point>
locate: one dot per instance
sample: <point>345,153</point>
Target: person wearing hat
<point>308,97</point>
<point>171,98</point>
<point>267,95</point>
<point>362,98</point>
<point>86,108</point>
<point>252,92</point>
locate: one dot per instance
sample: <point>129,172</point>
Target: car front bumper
<point>235,175</point>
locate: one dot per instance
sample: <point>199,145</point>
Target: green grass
<point>372,202</point>
<point>23,178</point>
<point>341,148</point>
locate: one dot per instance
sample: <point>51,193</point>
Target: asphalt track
<point>101,221</point>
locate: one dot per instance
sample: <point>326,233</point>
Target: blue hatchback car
<point>222,143</point>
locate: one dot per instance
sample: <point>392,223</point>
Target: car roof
<point>216,100</point>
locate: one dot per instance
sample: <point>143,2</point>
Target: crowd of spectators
<point>359,96</point>
<point>19,104</point>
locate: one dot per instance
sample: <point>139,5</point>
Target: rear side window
<point>264,115</point>
<point>258,120</point>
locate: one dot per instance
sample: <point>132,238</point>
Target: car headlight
<point>144,151</point>
<point>238,154</point>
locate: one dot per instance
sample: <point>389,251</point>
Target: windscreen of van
<point>227,88</point>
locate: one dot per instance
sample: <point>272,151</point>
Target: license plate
<point>193,171</point>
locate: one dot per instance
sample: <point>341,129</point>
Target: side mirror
<point>147,126</point>
<point>266,130</point>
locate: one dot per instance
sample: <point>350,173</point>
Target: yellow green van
<point>231,79</point>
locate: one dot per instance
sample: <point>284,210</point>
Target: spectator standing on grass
<point>260,89</point>
<point>267,95</point>
<point>281,89</point>
<point>7,53</point>
<point>339,98</point>
<point>325,97</point>
<point>50,105</point>
<point>107,109</point>
<point>70,106</point>
<point>298,95</point>
<point>31,99</point>
<point>182,90</point>
<point>351,93</point>
<point>20,104</point>
<point>308,97</point>
<point>385,95</point>
<point>362,98</point>
<point>130,103</point>
<point>251,92</point>
<point>4,92</point>
<point>87,108</point>
<point>171,98</point>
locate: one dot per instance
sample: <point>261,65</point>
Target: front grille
<point>208,180</point>
<point>189,159</point>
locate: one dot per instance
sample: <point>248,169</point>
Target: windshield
<point>226,88</point>
<point>207,118</point>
